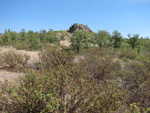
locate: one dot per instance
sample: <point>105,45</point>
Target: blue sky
<point>126,16</point>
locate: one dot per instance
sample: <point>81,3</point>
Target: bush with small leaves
<point>109,100</point>
<point>97,67</point>
<point>13,61</point>
<point>21,45</point>
<point>129,54</point>
<point>34,94</point>
<point>136,79</point>
<point>35,44</point>
<point>54,57</point>
<point>57,91</point>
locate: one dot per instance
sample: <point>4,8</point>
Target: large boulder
<point>83,27</point>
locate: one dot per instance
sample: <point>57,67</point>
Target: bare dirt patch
<point>65,43</point>
<point>10,76</point>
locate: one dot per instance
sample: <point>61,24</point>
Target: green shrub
<point>1,41</point>
<point>51,39</point>
<point>35,44</point>
<point>79,40</point>
<point>62,37</point>
<point>117,39</point>
<point>102,38</point>
<point>134,40</point>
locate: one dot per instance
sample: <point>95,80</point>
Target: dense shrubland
<point>29,40</point>
<point>113,77</point>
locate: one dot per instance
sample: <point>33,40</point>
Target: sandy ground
<point>10,76</point>
<point>65,43</point>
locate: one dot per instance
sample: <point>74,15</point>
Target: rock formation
<point>79,27</point>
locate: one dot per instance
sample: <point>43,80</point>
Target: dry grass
<point>32,54</point>
<point>10,76</point>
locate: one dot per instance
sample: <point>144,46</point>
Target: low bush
<point>66,48</point>
<point>97,67</point>
<point>33,94</point>
<point>109,100</point>
<point>135,108</point>
<point>51,39</point>
<point>57,92</point>
<point>54,57</point>
<point>98,82</point>
<point>95,51</point>
<point>13,61</point>
<point>136,80</point>
<point>98,64</point>
<point>21,45</point>
<point>129,54</point>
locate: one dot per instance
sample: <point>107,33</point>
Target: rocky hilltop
<point>79,27</point>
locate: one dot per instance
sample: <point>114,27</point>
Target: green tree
<point>43,34</point>
<point>117,39</point>
<point>102,38</point>
<point>6,37</point>
<point>79,40</point>
<point>13,36</point>
<point>23,34</point>
<point>1,41</point>
<point>145,44</point>
<point>134,40</point>
<point>50,39</point>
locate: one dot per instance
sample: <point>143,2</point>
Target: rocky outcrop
<point>75,27</point>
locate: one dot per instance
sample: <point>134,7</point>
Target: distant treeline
<point>79,39</point>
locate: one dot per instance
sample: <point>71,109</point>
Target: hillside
<point>79,72</point>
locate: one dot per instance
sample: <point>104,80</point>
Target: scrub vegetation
<point>98,73</point>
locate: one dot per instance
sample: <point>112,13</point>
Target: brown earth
<point>65,43</point>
